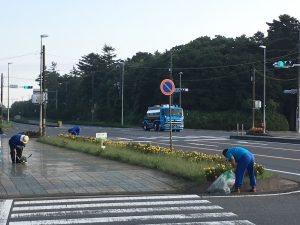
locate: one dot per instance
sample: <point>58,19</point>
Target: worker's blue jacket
<point>75,130</point>
<point>236,152</point>
<point>15,141</point>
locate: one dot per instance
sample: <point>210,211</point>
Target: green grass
<point>179,167</point>
<point>5,125</point>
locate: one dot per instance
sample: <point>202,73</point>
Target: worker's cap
<point>24,139</point>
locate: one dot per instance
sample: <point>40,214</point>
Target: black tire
<point>156,127</point>
<point>145,127</point>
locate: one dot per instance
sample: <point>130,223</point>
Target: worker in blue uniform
<point>74,130</point>
<point>241,159</point>
<point>16,144</point>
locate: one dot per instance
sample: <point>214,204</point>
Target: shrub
<point>31,134</point>
<point>227,120</point>
<point>255,131</point>
<point>211,172</point>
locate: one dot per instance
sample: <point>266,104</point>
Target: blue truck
<point>158,118</point>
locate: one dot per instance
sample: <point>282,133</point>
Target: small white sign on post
<point>257,104</point>
<point>102,137</point>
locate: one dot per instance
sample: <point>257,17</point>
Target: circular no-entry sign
<point>167,87</point>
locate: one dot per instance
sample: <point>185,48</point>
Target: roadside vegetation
<point>5,125</point>
<point>216,71</point>
<point>193,166</point>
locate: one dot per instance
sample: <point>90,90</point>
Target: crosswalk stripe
<point>123,198</point>
<point>113,211</point>
<point>124,219</point>
<point>231,222</point>
<point>4,210</point>
<point>200,144</point>
<point>144,210</point>
<point>74,206</point>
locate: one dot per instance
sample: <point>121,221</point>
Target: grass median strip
<point>193,166</point>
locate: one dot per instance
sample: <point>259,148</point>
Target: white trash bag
<point>223,183</point>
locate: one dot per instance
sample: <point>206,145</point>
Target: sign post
<point>167,87</point>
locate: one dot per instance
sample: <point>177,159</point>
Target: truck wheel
<point>145,127</point>
<point>156,127</point>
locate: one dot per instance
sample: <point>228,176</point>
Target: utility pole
<point>298,95</point>
<point>170,100</point>
<point>44,90</point>
<point>8,92</point>
<point>253,97</point>
<point>93,101</point>
<point>122,84</point>
<point>180,73</point>
<point>1,97</point>
<point>42,95</point>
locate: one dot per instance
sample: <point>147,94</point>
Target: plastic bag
<point>223,183</point>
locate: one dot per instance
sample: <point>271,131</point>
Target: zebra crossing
<point>175,138</point>
<point>146,210</point>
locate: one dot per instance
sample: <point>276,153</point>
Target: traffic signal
<point>27,87</point>
<point>283,64</point>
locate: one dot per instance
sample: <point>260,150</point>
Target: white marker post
<point>101,137</point>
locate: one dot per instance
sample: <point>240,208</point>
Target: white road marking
<point>107,211</point>
<point>125,218</point>
<point>280,171</point>
<point>232,222</point>
<point>123,198</point>
<point>5,206</point>
<point>251,196</point>
<point>148,138</point>
<point>159,209</point>
<point>251,143</point>
<point>141,141</point>
<point>117,204</point>
<point>123,139</point>
<point>203,144</point>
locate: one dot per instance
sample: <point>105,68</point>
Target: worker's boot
<point>236,190</point>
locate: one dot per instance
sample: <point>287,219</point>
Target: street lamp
<point>8,91</point>
<point>180,73</point>
<point>41,86</point>
<point>264,100</point>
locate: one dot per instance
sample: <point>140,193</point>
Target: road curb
<point>264,138</point>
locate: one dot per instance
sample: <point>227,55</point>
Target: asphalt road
<point>259,209</point>
<point>281,158</point>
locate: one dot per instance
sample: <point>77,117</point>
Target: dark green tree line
<point>217,71</point>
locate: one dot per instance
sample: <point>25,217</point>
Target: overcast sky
<point>79,27</point>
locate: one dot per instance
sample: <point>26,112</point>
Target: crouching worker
<point>241,159</point>
<point>74,130</point>
<point>16,144</point>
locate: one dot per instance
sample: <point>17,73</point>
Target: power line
<point>19,56</point>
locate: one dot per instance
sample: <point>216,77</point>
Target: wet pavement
<point>53,171</point>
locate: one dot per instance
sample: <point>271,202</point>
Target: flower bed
<point>211,173</point>
<point>257,131</point>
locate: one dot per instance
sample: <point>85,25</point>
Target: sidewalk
<point>53,171</point>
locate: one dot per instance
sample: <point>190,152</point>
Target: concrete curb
<point>266,138</point>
